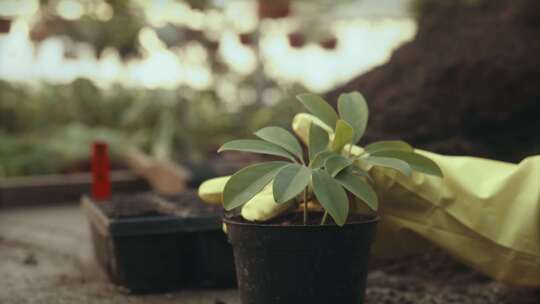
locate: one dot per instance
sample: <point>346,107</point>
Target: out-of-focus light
<point>149,40</point>
<point>16,52</point>
<point>18,8</point>
<point>198,78</point>
<point>159,67</point>
<point>239,58</point>
<point>49,56</point>
<point>104,12</point>
<point>195,20</point>
<point>247,96</point>
<point>69,9</point>
<point>110,68</point>
<point>362,44</point>
<point>242,15</point>
<point>214,21</point>
<point>271,96</point>
<point>195,53</point>
<point>158,13</point>
<point>227,91</point>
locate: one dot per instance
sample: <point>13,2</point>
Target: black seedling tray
<point>150,244</point>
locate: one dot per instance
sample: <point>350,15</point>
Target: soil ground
<point>46,257</point>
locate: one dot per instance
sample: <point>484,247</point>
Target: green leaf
<point>334,164</point>
<point>320,158</point>
<point>344,135</point>
<point>352,108</point>
<point>318,140</point>
<point>256,146</point>
<point>331,196</point>
<point>290,181</point>
<point>247,182</point>
<point>357,171</point>
<point>282,138</point>
<point>417,162</point>
<point>319,107</point>
<point>359,187</point>
<point>387,162</point>
<point>393,145</point>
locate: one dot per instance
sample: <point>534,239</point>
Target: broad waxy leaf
<point>331,196</point>
<point>334,164</point>
<point>320,158</point>
<point>388,162</point>
<point>359,187</point>
<point>417,162</point>
<point>282,138</point>
<point>290,181</point>
<point>352,108</point>
<point>319,107</point>
<point>344,135</point>
<point>318,140</point>
<point>385,145</point>
<point>246,183</point>
<point>256,146</point>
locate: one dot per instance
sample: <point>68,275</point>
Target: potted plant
<point>316,251</point>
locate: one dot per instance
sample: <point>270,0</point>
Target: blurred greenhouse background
<point>173,78</point>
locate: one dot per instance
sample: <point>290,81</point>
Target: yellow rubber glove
<point>261,207</point>
<point>211,191</point>
<point>485,213</point>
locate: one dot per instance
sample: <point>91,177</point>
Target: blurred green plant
<point>47,128</point>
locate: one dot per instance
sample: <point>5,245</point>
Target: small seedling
<point>331,166</point>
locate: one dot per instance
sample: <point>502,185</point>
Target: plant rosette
<point>312,256</point>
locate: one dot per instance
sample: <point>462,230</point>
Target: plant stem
<point>305,208</point>
<point>323,221</point>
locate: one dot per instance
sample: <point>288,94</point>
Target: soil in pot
<point>284,261</point>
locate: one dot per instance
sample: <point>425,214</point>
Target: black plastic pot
<point>282,264</point>
<point>157,247</point>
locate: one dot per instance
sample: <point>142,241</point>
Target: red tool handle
<point>101,183</point>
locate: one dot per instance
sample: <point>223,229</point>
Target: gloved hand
<point>261,207</point>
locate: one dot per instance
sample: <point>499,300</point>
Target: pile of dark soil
<point>467,84</point>
<point>436,278</point>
